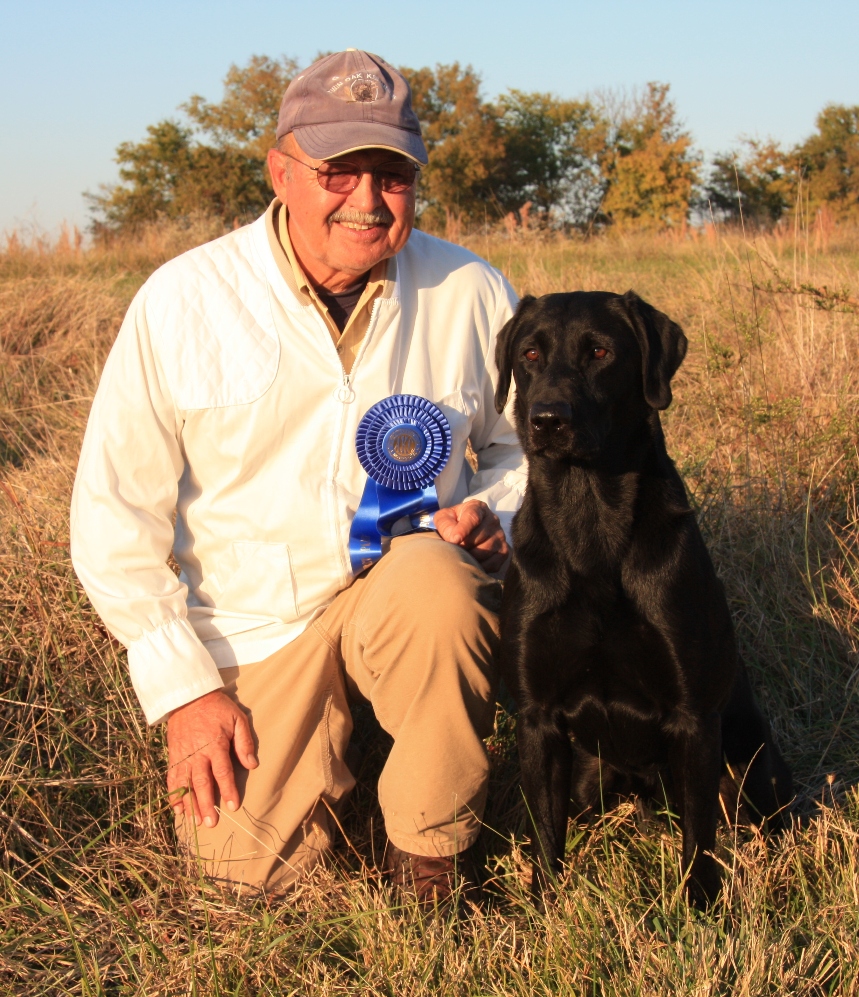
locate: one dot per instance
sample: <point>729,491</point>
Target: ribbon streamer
<point>403,443</point>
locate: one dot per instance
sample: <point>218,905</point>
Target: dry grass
<point>764,428</point>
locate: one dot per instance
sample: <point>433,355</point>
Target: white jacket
<point>224,399</point>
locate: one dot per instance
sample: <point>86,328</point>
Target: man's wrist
<point>212,694</point>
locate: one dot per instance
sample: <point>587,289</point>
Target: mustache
<point>378,216</point>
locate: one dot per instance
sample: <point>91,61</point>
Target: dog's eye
<point>599,352</point>
<point>532,355</point>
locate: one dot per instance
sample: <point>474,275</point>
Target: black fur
<point>617,642</point>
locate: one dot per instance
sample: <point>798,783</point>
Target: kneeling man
<point>224,427</point>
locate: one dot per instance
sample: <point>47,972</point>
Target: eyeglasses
<point>340,178</point>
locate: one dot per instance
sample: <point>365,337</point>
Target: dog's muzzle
<point>551,432</point>
<point>549,418</point>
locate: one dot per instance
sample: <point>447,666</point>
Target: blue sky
<point>78,77</point>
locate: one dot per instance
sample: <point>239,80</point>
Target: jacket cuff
<point>503,497</point>
<point>170,667</point>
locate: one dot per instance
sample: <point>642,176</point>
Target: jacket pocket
<point>257,579</point>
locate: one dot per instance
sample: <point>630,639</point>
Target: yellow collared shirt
<point>349,341</point>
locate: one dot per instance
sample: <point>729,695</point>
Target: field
<point>764,428</point>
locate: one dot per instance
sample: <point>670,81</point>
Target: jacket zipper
<point>346,395</point>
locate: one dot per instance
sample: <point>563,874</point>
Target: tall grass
<point>764,429</point>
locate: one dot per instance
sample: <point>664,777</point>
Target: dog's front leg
<point>545,756</point>
<point>695,770</point>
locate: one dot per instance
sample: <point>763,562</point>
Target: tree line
<point>621,161</point>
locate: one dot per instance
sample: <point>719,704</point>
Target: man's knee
<point>429,627</point>
<point>438,586</point>
<point>421,648</point>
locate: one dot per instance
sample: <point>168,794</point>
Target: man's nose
<point>549,417</point>
<point>367,195</point>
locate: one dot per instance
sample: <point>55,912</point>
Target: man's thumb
<point>243,742</point>
<point>447,526</point>
<point>450,527</point>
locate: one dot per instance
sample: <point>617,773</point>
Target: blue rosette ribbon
<point>403,444</point>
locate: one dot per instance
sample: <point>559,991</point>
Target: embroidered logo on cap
<point>364,90</point>
<point>359,87</point>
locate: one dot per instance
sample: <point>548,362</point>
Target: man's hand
<point>474,526</point>
<point>199,736</point>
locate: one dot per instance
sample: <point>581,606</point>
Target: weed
<point>764,427</point>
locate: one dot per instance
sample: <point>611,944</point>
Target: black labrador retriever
<point>617,642</point>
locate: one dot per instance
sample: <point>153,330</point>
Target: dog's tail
<point>757,784</point>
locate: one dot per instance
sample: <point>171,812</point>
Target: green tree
<point>649,170</point>
<point>464,144</point>
<point>828,161</point>
<point>149,173</point>
<point>572,161</point>
<point>246,118</point>
<point>487,159</point>
<point>755,184</point>
<point>548,155</point>
<point>768,183</point>
<point>215,165</point>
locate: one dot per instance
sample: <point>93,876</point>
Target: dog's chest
<point>602,665</point>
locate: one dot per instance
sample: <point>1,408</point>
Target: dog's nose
<point>549,417</point>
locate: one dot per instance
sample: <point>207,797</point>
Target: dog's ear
<point>504,352</point>
<point>663,347</point>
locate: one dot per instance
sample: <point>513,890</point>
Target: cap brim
<point>337,138</point>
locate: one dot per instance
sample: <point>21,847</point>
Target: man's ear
<point>663,347</point>
<point>504,352</point>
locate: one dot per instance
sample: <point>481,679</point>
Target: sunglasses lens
<point>394,178</point>
<point>338,178</point>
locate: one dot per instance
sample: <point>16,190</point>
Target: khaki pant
<point>415,636</point>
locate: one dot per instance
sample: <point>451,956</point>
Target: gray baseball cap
<point>348,101</point>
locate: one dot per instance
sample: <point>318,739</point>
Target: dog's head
<point>588,365</point>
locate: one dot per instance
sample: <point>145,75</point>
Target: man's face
<point>339,237</point>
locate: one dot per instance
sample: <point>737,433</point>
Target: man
<point>231,401</point>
